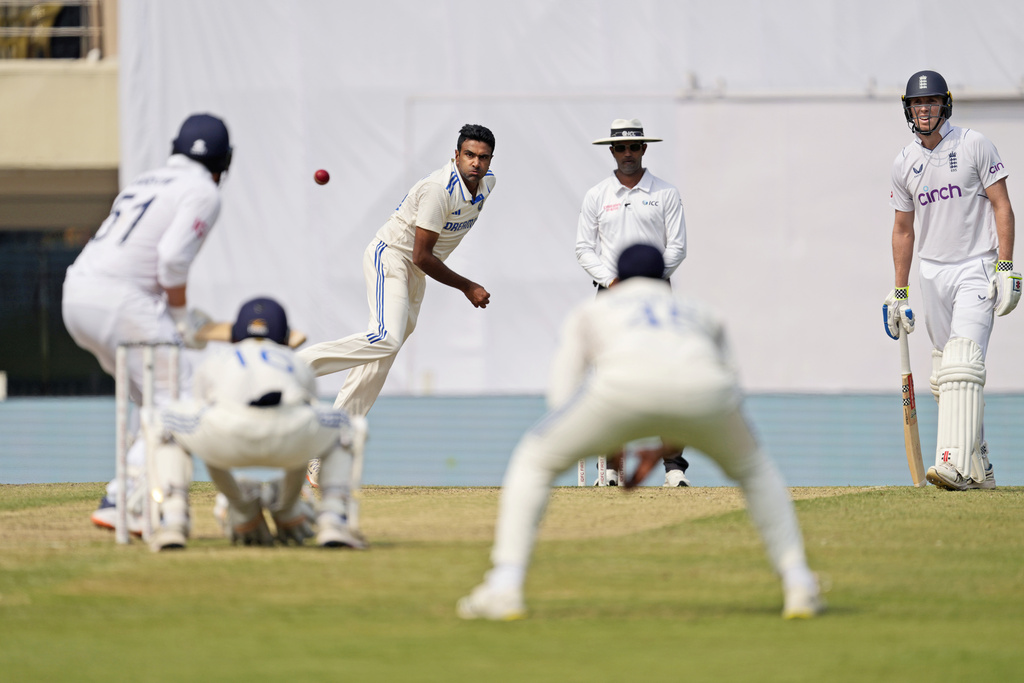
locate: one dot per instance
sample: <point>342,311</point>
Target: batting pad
<point>933,379</point>
<point>961,382</point>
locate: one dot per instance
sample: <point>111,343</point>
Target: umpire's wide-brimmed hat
<point>626,130</point>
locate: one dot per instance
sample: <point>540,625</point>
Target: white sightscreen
<point>781,121</point>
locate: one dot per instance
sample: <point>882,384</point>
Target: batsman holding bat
<point>636,362</point>
<point>427,226</point>
<point>129,283</point>
<point>953,182</point>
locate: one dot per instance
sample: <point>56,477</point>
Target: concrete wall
<point>59,150</point>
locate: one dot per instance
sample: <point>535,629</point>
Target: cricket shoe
<point>169,537</point>
<point>313,473</point>
<point>487,603</point>
<point>105,517</point>
<point>803,602</point>
<point>611,478</point>
<point>676,478</point>
<point>333,531</point>
<point>945,476</point>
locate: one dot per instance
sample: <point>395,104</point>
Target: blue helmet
<point>262,318</point>
<point>204,138</point>
<point>924,84</point>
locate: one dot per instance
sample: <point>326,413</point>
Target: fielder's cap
<point>626,130</point>
<point>641,260</point>
<point>262,318</point>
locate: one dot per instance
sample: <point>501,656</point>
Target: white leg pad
<point>933,379</point>
<point>961,382</point>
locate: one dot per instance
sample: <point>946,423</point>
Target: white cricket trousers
<point>288,436</point>
<point>956,303</point>
<point>600,420</point>
<point>101,313</point>
<point>394,291</point>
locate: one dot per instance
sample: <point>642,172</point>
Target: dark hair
<point>472,131</point>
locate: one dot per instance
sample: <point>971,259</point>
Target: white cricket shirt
<point>639,337</point>
<point>239,374</point>
<point>155,228</point>
<point>614,217</point>
<point>945,188</point>
<point>441,203</point>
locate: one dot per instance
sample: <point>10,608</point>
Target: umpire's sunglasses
<point>634,147</point>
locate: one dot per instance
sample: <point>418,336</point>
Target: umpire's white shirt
<point>614,217</point>
<point>440,203</point>
<point>945,188</point>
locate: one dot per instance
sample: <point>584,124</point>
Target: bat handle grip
<point>904,353</point>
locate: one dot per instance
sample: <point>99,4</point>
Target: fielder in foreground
<point>255,406</point>
<point>634,363</point>
<point>953,181</point>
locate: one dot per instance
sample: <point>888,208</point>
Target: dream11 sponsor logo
<point>931,196</point>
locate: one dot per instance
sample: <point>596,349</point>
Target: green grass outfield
<point>657,585</point>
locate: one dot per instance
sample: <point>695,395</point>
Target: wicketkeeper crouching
<point>255,405</point>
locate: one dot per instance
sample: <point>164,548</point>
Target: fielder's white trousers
<point>394,291</point>
<point>288,437</point>
<point>956,303</point>
<point>600,419</point>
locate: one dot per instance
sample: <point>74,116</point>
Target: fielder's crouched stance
<point>634,363</point>
<point>256,406</point>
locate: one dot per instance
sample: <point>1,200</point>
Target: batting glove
<point>188,323</point>
<point>896,313</point>
<point>1005,287</point>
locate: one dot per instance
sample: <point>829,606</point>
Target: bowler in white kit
<point>952,206</point>
<point>428,224</point>
<point>637,362</point>
<point>129,283</point>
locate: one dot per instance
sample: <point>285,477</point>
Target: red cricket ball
<point>321,177</point>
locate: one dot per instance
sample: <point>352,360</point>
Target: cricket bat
<point>222,332</point>
<point>911,437</point>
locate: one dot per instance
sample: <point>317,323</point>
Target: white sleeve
<point>675,232</point>
<point>570,362</point>
<point>899,198</point>
<point>586,241</point>
<point>991,168</point>
<point>179,245</point>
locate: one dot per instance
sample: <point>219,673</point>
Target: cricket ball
<point>321,177</point>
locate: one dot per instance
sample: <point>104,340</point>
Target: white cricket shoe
<point>333,531</point>
<point>169,537</point>
<point>945,476</point>
<point>612,477</point>
<point>313,473</point>
<point>105,517</point>
<point>803,602</point>
<point>676,478</point>
<point>487,603</point>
